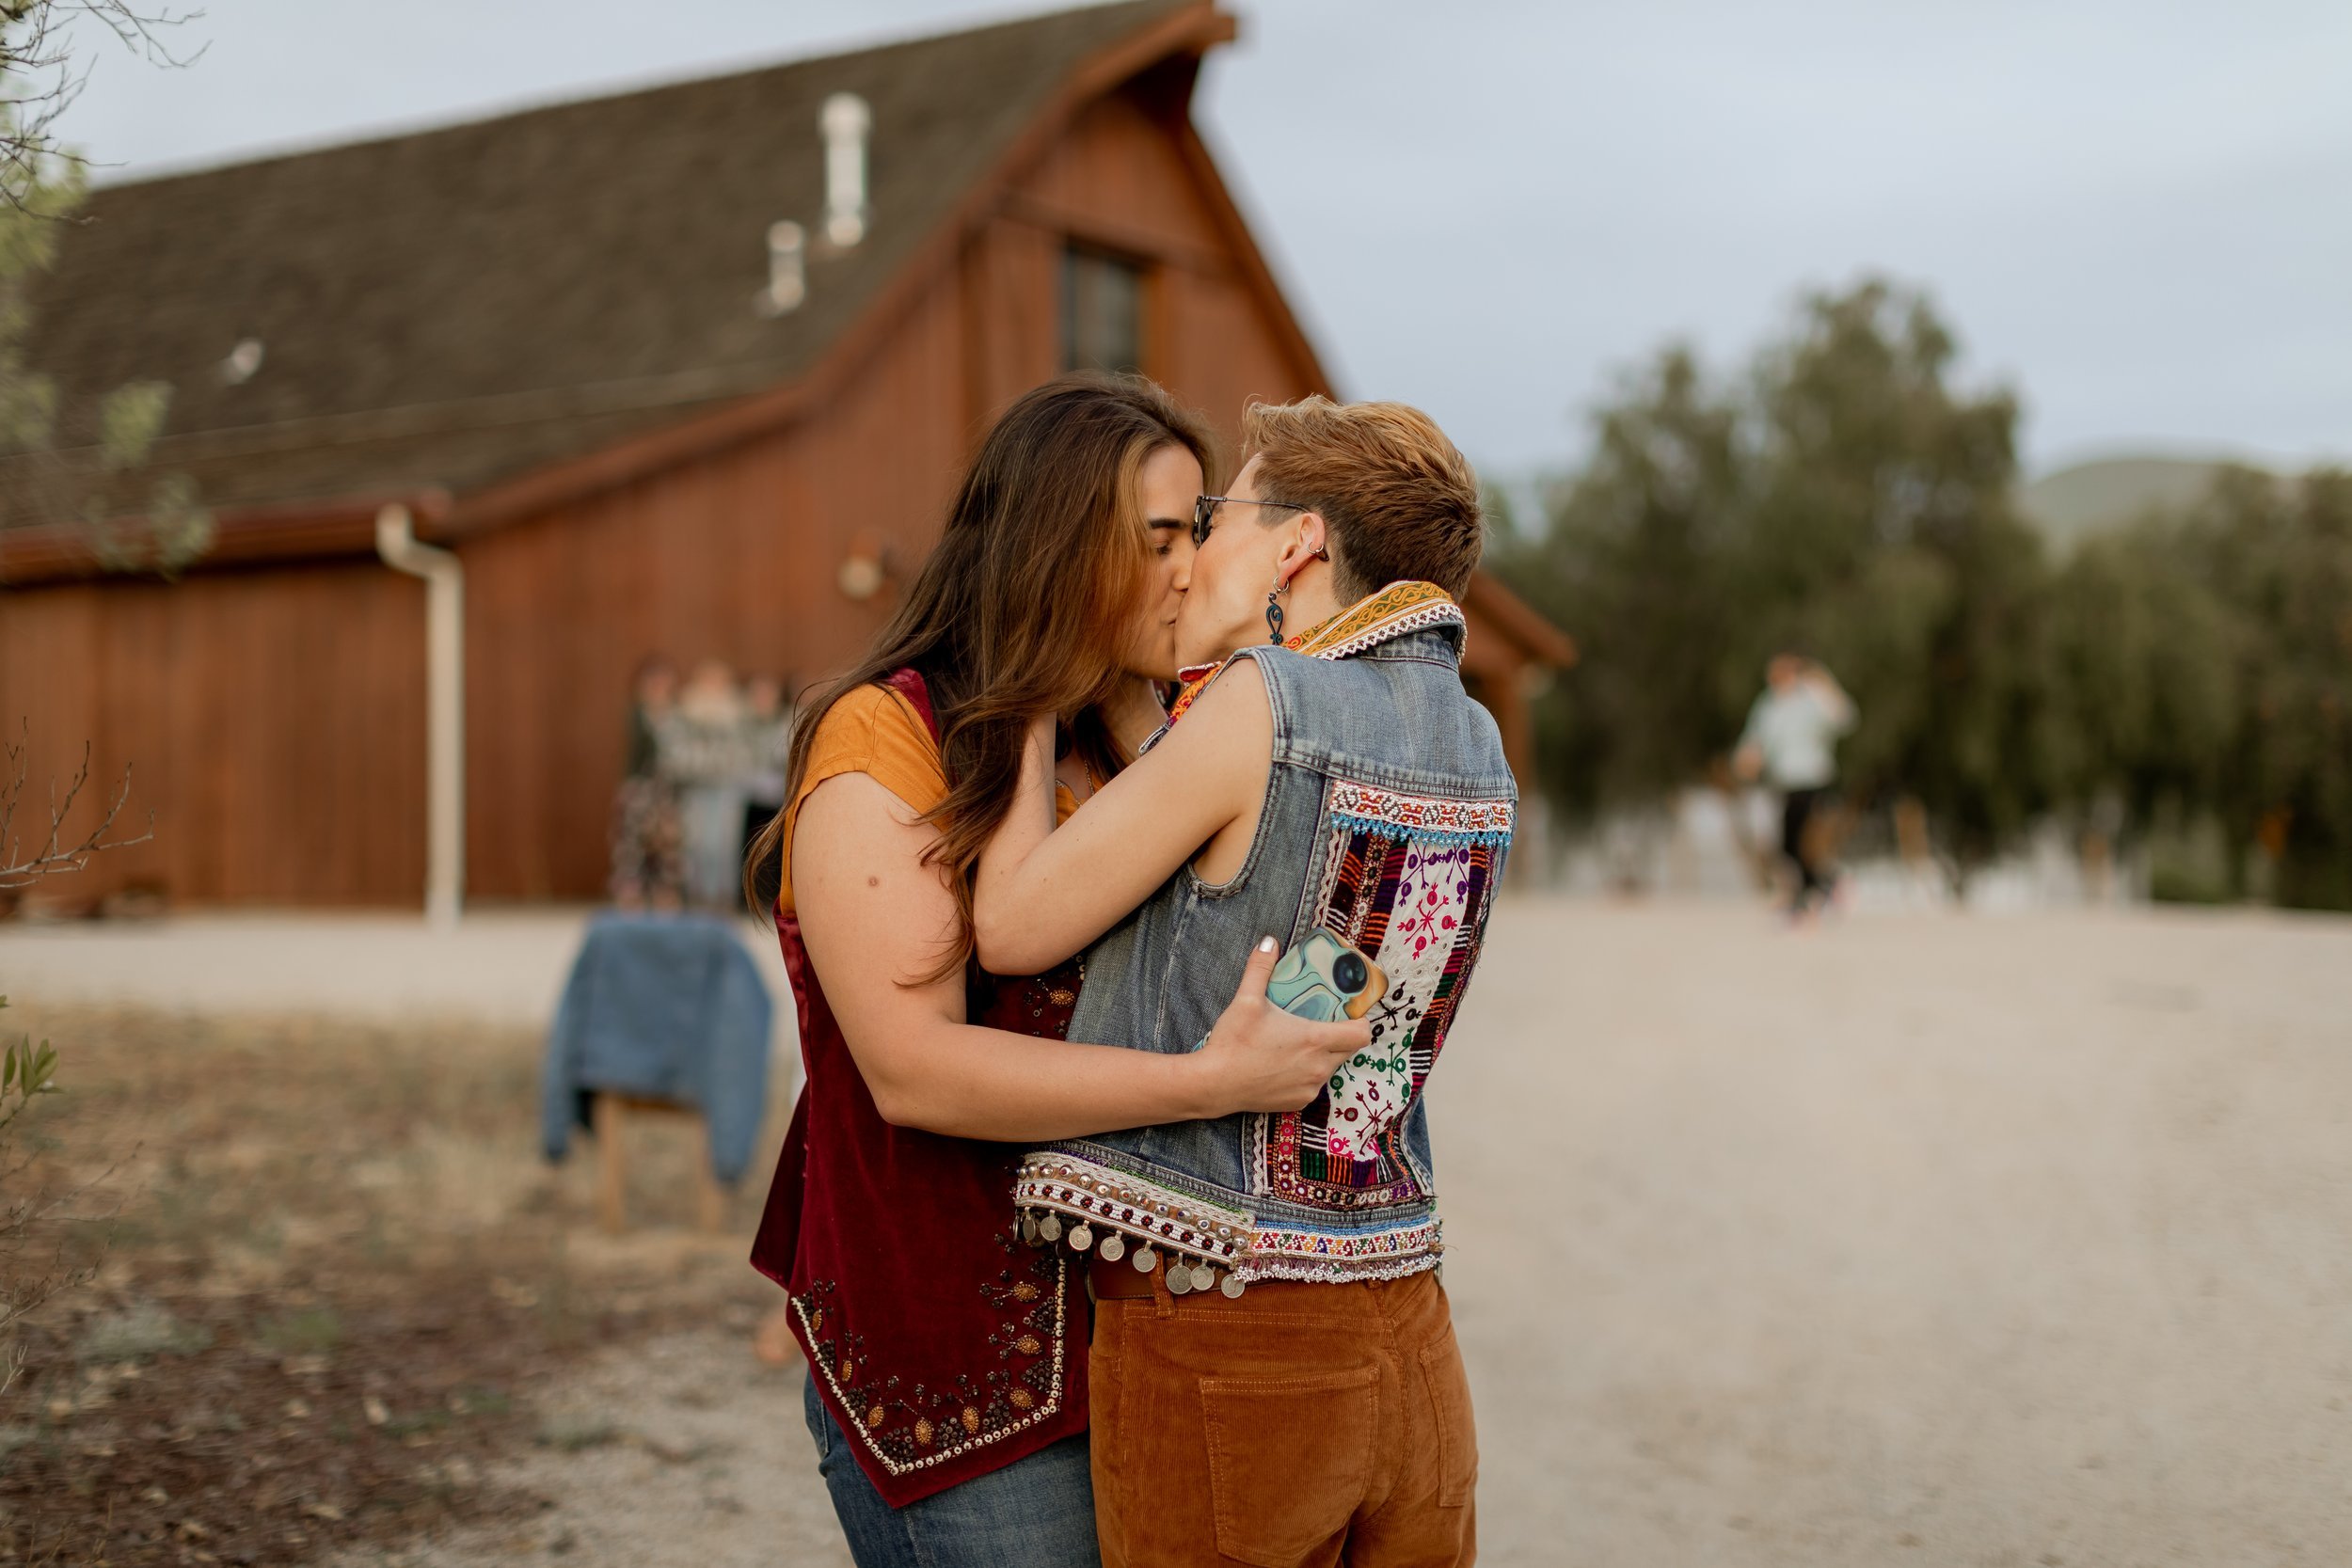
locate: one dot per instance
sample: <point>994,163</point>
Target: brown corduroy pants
<point>1296,1425</point>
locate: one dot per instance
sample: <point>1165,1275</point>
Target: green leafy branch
<point>26,1071</point>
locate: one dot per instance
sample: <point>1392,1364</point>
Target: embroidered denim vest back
<point>1387,819</point>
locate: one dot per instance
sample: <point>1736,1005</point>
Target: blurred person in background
<point>1791,743</point>
<point>767,754</point>
<point>704,755</point>
<point>647,870</point>
<point>947,1395</point>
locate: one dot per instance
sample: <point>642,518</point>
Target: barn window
<point>1102,312</point>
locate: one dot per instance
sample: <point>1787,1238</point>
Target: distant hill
<point>2072,503</point>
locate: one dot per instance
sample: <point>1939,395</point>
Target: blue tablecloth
<point>667,1007</point>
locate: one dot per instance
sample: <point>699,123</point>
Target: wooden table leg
<point>710,1205</point>
<point>611,1179</point>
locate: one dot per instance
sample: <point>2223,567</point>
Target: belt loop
<point>1163,1301</point>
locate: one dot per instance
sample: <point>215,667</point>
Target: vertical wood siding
<point>273,722</point>
<point>276,716</point>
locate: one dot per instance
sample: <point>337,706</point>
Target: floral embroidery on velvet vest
<point>948,1349</point>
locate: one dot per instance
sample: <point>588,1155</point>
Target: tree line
<point>2186,679</point>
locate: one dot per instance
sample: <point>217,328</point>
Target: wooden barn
<point>485,413</point>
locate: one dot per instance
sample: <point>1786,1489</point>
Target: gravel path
<point>1931,1238</point>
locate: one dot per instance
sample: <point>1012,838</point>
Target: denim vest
<point>1388,815</point>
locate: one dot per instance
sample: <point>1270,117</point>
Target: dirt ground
<point>318,1276</point>
<point>1926,1239</point>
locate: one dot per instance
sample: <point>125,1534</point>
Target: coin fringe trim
<point>1148,1212</point>
<point>1142,1211</point>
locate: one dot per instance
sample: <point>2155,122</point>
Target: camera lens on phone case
<point>1348,973</point>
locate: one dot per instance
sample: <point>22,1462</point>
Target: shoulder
<point>862,708</point>
<point>1233,716</point>
<point>1239,685</point>
<point>872,729</point>
<point>868,715</point>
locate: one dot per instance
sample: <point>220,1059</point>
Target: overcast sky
<point>2137,212</point>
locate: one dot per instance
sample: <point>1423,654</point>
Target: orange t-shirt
<point>875,731</point>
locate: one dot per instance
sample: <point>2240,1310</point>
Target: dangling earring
<point>1274,612</point>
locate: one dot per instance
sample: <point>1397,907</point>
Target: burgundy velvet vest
<point>943,1347</point>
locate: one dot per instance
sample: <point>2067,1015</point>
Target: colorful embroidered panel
<point>1320,1257</point>
<point>1407,881</point>
<point>1399,608</point>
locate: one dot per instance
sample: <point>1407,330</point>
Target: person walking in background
<point>1790,742</point>
<point>767,756</point>
<point>646,873</point>
<point>703,755</point>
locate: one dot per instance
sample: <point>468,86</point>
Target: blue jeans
<point>1038,1510</point>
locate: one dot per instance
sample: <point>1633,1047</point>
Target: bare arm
<point>874,915</point>
<point>1043,894</point>
<point>1832,697</point>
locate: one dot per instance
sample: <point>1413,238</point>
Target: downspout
<point>445,705</point>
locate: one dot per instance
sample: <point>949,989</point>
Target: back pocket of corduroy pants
<point>1289,1459</point>
<point>1456,1428</point>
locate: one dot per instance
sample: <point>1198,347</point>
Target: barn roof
<point>452,307</point>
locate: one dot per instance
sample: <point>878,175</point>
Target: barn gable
<point>455,308</point>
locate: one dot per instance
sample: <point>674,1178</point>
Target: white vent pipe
<point>787,269</point>
<point>445,706</point>
<point>845,121</point>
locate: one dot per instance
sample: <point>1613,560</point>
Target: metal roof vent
<point>788,270</point>
<point>845,121</point>
<point>242,360</point>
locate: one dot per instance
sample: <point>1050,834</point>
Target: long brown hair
<point>1021,609</point>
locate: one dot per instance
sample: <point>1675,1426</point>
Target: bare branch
<point>55,855</point>
<point>42,78</point>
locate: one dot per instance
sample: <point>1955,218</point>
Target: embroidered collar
<point>1399,608</point>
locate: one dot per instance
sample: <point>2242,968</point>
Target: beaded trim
<point>1355,1255</point>
<point>1429,818</point>
<point>1311,1273</point>
<point>1144,1210</point>
<point>1047,1408</point>
<point>1227,1238</point>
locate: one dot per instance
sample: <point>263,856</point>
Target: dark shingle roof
<point>461,305</point>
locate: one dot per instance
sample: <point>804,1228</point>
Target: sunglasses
<point>1204,513</point>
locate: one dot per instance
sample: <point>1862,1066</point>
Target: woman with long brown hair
<point>947,1391</point>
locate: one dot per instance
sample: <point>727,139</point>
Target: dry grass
<point>331,1266</point>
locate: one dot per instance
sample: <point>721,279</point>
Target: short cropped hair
<point>1400,499</point>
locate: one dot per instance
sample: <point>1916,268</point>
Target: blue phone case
<point>1302,983</point>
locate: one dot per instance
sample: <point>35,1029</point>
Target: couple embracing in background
<point>1098,1250</point>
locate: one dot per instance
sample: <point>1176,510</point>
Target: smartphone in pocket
<point>1324,978</point>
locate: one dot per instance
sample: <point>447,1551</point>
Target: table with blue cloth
<point>664,1007</point>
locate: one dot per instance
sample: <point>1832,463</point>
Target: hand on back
<point>1265,1059</point>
